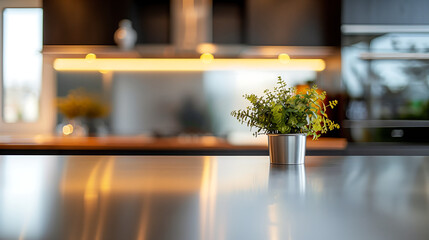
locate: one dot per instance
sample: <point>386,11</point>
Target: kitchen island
<point>203,197</point>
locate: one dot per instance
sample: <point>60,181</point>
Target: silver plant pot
<point>287,148</point>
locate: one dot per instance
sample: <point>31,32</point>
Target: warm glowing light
<point>284,58</point>
<point>209,140</point>
<point>185,64</point>
<point>90,57</point>
<point>68,129</point>
<point>206,57</point>
<point>206,48</point>
<point>104,71</point>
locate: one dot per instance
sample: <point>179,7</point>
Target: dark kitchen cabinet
<point>83,22</point>
<point>277,22</point>
<point>293,23</point>
<point>253,22</point>
<point>229,21</point>
<point>387,12</point>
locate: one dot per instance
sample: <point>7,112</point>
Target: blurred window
<point>22,64</point>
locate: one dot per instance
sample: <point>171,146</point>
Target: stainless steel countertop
<point>172,197</point>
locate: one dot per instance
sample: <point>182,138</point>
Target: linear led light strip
<point>205,63</point>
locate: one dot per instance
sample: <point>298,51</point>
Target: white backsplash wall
<point>173,103</point>
<point>158,103</point>
<point>192,103</point>
<point>224,91</point>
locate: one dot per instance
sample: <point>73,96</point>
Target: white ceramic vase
<point>125,37</point>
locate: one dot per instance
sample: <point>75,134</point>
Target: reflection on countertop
<point>200,197</point>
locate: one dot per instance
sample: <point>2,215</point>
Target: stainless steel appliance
<point>385,72</point>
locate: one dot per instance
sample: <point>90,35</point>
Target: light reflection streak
<point>23,197</point>
<point>144,219</point>
<point>273,227</point>
<point>90,202</point>
<point>95,207</point>
<point>274,230</point>
<point>105,188</point>
<point>301,179</point>
<point>190,23</point>
<point>285,181</point>
<point>208,198</point>
<point>106,179</point>
<point>23,231</point>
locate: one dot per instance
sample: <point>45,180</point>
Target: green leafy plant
<point>284,111</point>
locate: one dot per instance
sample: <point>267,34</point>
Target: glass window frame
<point>46,120</point>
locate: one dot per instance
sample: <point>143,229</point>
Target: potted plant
<point>81,111</point>
<point>287,117</point>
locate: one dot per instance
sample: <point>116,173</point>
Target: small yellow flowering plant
<point>284,111</point>
<point>79,103</point>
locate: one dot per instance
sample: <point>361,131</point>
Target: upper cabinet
<point>94,22</point>
<point>277,22</point>
<point>252,22</point>
<point>81,22</point>
<point>394,12</point>
<point>229,21</point>
<point>293,23</point>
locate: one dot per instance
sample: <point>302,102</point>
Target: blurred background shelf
<point>384,123</point>
<point>394,56</point>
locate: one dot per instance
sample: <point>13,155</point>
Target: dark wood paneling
<point>255,22</point>
<point>151,19</point>
<point>293,23</point>
<point>82,21</point>
<point>229,21</point>
<point>86,22</point>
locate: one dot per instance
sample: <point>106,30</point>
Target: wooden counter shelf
<point>141,145</point>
